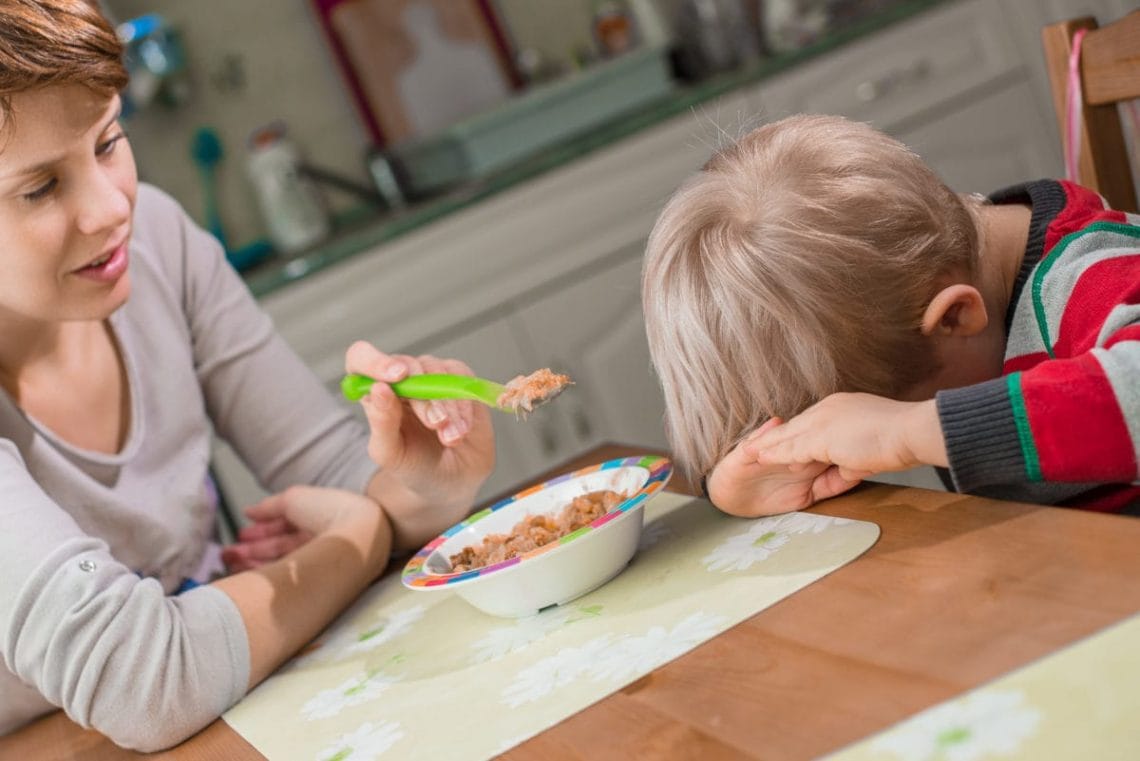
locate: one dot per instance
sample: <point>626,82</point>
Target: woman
<point>125,339</point>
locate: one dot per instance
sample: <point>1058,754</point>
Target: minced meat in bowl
<point>551,560</point>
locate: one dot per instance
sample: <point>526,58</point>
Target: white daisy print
<point>985,724</point>
<point>805,523</point>
<point>552,672</point>
<point>738,553</point>
<point>630,657</point>
<point>763,537</point>
<point>603,659</point>
<point>358,689</point>
<point>350,640</point>
<point>504,640</point>
<point>386,628</point>
<point>366,743</point>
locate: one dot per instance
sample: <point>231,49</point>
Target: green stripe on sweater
<point>1043,270</point>
<point>1021,420</point>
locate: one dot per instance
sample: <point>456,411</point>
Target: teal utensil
<point>206,151</point>
<point>522,393</point>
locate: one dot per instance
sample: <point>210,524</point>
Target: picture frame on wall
<point>417,66</point>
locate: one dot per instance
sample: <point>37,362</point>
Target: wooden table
<point>957,591</point>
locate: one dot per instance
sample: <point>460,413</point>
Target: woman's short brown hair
<point>57,42</point>
<point>796,264</point>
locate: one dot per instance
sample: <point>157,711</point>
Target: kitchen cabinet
<point>952,83</point>
<point>546,272</point>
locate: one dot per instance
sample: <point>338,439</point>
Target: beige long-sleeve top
<point>93,546</point>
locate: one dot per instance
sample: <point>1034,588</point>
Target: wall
<point>252,61</point>
<point>285,71</point>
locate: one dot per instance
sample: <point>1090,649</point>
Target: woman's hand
<point>861,434</point>
<point>433,456</point>
<point>740,485</point>
<point>266,539</point>
<point>283,522</point>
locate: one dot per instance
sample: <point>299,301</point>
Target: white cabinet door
<point>904,74</point>
<point>992,142</point>
<point>593,329</point>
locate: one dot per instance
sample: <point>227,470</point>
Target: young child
<point>821,307</point>
<point>126,341</point>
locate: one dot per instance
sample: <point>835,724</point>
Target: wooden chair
<point>1109,73</point>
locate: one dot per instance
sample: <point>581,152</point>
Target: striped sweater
<point>1062,424</point>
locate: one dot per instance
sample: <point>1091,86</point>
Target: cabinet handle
<point>913,73</point>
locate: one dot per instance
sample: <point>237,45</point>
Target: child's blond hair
<point>797,263</point>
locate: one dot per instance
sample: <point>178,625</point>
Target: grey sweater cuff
<point>982,440</point>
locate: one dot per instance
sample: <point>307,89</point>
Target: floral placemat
<point>423,675</point>
<point>1082,702</point>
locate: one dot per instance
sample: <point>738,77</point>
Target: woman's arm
<point>284,604</point>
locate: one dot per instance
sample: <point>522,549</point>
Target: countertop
<point>363,230</point>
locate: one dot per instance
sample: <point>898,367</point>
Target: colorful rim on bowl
<point>659,471</point>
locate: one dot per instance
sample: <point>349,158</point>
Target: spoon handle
<point>428,386</point>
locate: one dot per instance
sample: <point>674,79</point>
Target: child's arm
<point>1069,420</point>
<point>1066,420</point>
<point>740,485</point>
<point>860,434</point>
<point>1069,408</point>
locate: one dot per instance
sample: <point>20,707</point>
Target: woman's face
<point>67,190</point>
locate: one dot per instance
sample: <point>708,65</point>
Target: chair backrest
<point>1109,67</point>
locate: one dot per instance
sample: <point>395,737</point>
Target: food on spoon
<point>534,531</point>
<point>524,392</point>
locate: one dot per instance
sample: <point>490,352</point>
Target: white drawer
<point>896,74</point>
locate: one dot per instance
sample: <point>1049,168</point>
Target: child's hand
<point>740,485</point>
<point>861,434</point>
<point>433,456</point>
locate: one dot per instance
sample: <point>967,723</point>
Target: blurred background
<point>229,97</point>
<point>477,178</point>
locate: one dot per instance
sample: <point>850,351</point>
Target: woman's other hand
<point>433,455</point>
<point>266,538</point>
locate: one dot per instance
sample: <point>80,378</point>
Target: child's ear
<point>956,310</point>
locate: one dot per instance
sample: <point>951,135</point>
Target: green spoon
<point>520,394</point>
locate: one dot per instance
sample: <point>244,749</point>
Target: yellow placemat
<point>420,675</point>
<point>1082,702</point>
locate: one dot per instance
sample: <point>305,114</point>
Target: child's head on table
<point>807,258</point>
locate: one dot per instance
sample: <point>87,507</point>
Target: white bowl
<point>556,572</point>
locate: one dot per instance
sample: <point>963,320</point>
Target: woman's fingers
<point>385,414</point>
<point>246,555</point>
<point>264,528</point>
<point>446,418</point>
<point>365,359</point>
<point>270,508</point>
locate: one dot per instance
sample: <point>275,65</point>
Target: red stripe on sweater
<point>1131,333</point>
<point>1024,362</point>
<point>1100,289</point>
<point>1078,429</point>
<point>1082,208</point>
